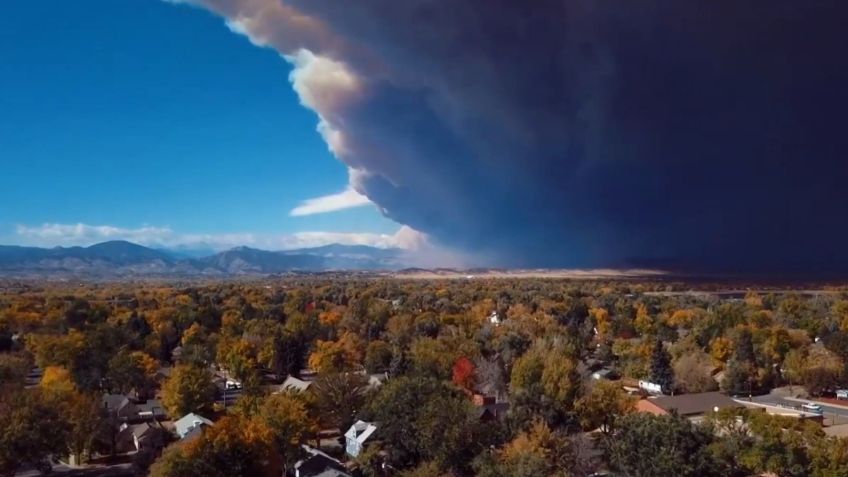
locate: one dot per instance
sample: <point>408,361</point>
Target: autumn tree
<point>464,373</point>
<point>603,322</point>
<point>233,447</point>
<point>643,322</point>
<point>603,405</point>
<point>188,389</point>
<point>692,373</point>
<point>535,452</point>
<point>336,356</point>
<point>130,371</point>
<point>237,356</point>
<point>544,383</point>
<point>57,379</point>
<point>287,419</point>
<point>84,416</point>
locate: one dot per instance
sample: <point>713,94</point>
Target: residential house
<point>189,423</point>
<point>319,464</point>
<point>34,376</point>
<point>377,380</point>
<point>606,373</point>
<point>489,408</point>
<point>357,436</point>
<point>163,373</point>
<point>692,406</point>
<point>294,384</point>
<point>151,410</point>
<point>495,318</point>
<point>119,407</point>
<point>135,437</point>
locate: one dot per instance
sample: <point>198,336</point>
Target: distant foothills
<point>127,259</point>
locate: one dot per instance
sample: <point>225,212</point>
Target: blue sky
<point>143,115</point>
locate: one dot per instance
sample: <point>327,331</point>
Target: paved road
<point>829,410</point>
<point>119,470</point>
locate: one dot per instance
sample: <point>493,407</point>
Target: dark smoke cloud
<point>699,135</point>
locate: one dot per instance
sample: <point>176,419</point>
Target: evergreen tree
<point>745,347</point>
<point>738,378</point>
<point>661,370</point>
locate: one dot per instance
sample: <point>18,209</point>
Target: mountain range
<point>127,259</point>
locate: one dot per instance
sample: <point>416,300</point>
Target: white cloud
<point>345,199</point>
<point>52,234</point>
<point>83,234</point>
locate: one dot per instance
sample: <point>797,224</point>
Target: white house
<point>495,318</point>
<point>293,384</point>
<point>190,422</point>
<point>356,436</point>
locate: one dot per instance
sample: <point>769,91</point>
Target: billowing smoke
<point>707,135</point>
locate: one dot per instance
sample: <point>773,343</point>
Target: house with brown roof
<point>692,406</point>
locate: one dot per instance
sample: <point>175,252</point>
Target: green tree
<point>188,389</point>
<point>830,458</point>
<point>544,383</point>
<point>779,444</point>
<point>646,445</point>
<point>661,370</point>
<point>378,357</point>
<point>426,419</point>
<point>13,369</point>
<point>338,398</point>
<point>126,373</point>
<point>31,430</point>
<point>744,352</point>
<point>738,378</point>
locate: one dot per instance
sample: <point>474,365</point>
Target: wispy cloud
<point>52,234</point>
<point>346,199</point>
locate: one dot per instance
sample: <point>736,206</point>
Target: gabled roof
<point>140,430</point>
<point>192,433</point>
<point>319,464</point>
<point>377,380</point>
<point>152,405</point>
<point>362,430</point>
<point>295,384</point>
<point>115,402</point>
<point>190,421</point>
